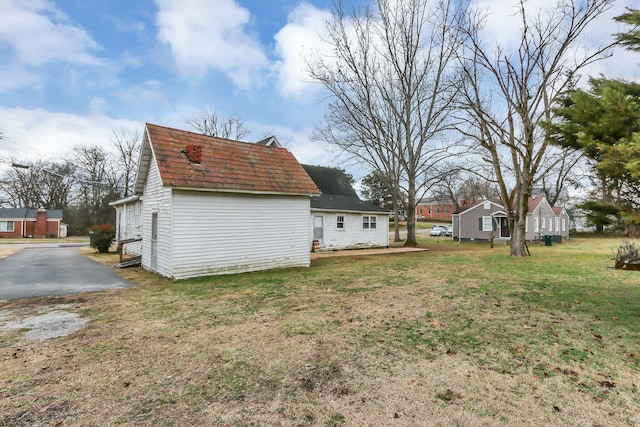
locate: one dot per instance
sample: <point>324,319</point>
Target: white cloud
<point>33,134</point>
<point>206,34</point>
<point>145,93</point>
<point>15,76</point>
<point>39,33</point>
<point>298,38</point>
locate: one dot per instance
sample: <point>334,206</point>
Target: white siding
<point>129,225</point>
<point>218,233</point>
<point>156,199</point>
<point>353,235</point>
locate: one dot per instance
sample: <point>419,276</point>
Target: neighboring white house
<point>339,219</point>
<point>129,223</point>
<point>214,206</point>
<point>486,220</point>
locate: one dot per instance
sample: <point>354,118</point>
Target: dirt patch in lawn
<point>48,323</point>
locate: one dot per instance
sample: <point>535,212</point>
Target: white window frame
<point>557,225</point>
<point>487,223</point>
<point>542,224</point>
<point>536,224</point>
<point>340,222</point>
<point>4,226</point>
<point>564,225</point>
<point>369,222</point>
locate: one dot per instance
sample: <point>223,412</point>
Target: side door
<point>318,229</point>
<point>154,242</point>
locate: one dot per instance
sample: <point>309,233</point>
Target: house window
<point>437,210</point>
<point>429,211</point>
<point>446,210</point>
<point>542,226</point>
<point>130,215</point>
<point>420,211</point>
<point>487,223</point>
<point>536,226</point>
<point>137,215</point>
<point>369,222</point>
<point>557,225</point>
<point>564,226</point>
<point>340,222</point>
<point>6,225</point>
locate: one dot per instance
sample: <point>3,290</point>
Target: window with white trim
<point>557,224</point>
<point>6,225</point>
<point>340,222</point>
<point>369,222</point>
<point>536,226</point>
<point>130,215</point>
<point>487,223</point>
<point>564,225</point>
<point>137,216</point>
<point>542,225</point>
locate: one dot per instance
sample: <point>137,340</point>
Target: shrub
<point>628,254</point>
<point>103,236</point>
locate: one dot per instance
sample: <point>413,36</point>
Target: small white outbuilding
<point>214,206</point>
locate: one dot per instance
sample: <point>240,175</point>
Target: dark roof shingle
<point>337,192</point>
<point>19,213</point>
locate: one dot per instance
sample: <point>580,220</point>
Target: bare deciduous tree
<point>390,81</point>
<point>508,94</point>
<point>212,124</point>
<point>128,150</point>
<point>36,185</point>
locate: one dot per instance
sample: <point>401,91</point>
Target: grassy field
<point>461,335</point>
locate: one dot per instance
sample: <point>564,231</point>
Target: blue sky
<point>74,70</point>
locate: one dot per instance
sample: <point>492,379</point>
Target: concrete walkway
<point>364,252</point>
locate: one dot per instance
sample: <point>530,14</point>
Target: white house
<point>215,206</point>
<point>129,223</point>
<point>339,219</point>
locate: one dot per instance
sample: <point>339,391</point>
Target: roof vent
<point>194,153</point>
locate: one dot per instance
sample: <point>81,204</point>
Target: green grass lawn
<point>459,335</point>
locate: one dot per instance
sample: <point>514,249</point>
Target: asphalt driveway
<point>36,272</point>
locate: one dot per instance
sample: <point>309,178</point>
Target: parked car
<point>438,230</point>
<point>449,231</point>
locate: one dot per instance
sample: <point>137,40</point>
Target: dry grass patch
<point>5,252</point>
<point>459,335</point>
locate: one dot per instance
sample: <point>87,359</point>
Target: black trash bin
<point>548,240</point>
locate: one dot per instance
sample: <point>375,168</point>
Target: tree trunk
<point>396,222</point>
<point>411,215</point>
<point>518,234</point>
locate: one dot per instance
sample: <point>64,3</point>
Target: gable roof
<point>224,165</point>
<point>22,213</point>
<point>557,210</point>
<point>465,208</point>
<point>532,204</point>
<point>330,180</point>
<point>270,141</point>
<point>337,192</point>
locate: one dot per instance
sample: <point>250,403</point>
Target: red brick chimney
<point>194,153</point>
<point>40,228</point>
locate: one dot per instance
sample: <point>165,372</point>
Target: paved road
<point>35,272</point>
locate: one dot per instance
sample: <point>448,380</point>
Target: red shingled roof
<point>226,165</point>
